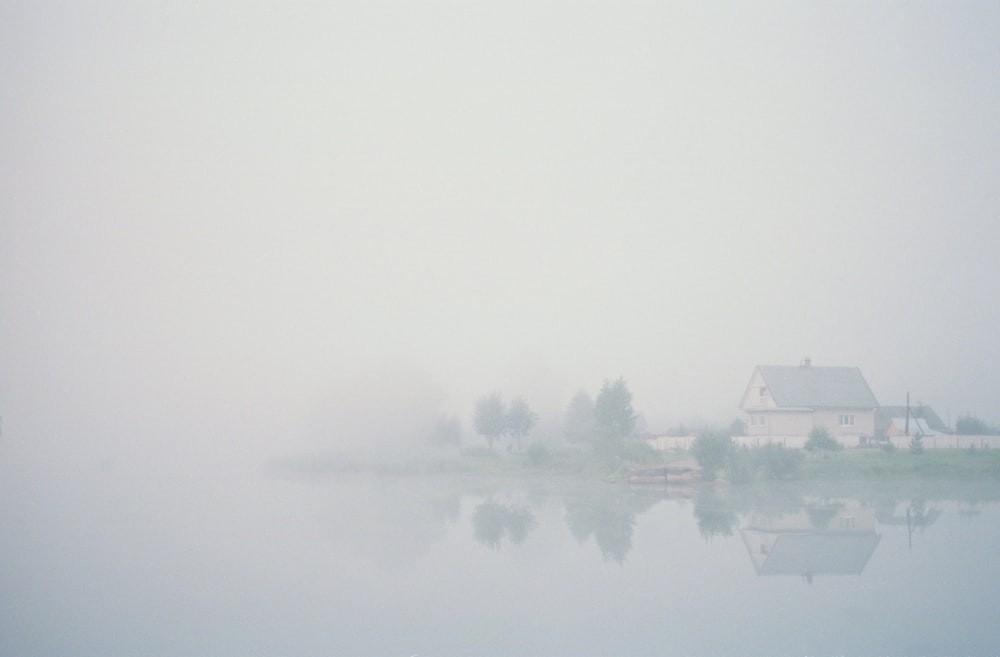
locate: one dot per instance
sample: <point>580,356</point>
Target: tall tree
<point>490,417</point>
<point>580,423</point>
<point>613,410</point>
<point>520,420</point>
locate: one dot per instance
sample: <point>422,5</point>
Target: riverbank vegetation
<point>599,441</point>
<point>614,460</point>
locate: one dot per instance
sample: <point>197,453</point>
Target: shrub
<point>821,440</point>
<point>740,465</point>
<point>711,449</point>
<point>636,451</point>
<point>776,461</point>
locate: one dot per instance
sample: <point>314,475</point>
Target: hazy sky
<point>243,209</point>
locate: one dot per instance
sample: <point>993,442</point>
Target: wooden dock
<point>682,472</point>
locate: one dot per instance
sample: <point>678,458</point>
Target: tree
<point>490,417</point>
<point>580,422</point>
<point>519,420</point>
<point>711,449</point>
<point>613,411</point>
<point>969,425</point>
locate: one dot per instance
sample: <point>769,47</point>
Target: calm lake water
<point>263,563</point>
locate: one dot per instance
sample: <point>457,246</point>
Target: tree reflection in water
<point>715,513</point>
<point>492,522</point>
<point>609,517</point>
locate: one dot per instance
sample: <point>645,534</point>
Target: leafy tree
<point>613,412</point>
<point>519,420</point>
<point>968,425</point>
<point>712,449</point>
<point>821,440</point>
<point>580,423</point>
<point>490,417</point>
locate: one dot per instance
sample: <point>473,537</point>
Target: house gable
<point>757,396</point>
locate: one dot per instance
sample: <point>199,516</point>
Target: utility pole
<point>907,413</point>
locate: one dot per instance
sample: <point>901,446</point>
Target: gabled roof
<point>886,414</point>
<point>806,386</point>
<point>819,554</point>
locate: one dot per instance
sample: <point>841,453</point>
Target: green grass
<point>615,461</point>
<point>902,464</point>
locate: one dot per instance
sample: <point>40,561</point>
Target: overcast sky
<point>242,208</point>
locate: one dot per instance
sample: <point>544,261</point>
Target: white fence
<point>946,441</point>
<point>943,441</point>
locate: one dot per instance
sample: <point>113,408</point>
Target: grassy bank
<point>615,461</point>
<point>902,464</point>
<point>605,461</point>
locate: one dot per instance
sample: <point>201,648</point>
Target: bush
<point>711,449</point>
<point>633,450</point>
<point>538,455</point>
<point>740,465</point>
<point>820,440</point>
<point>776,461</point>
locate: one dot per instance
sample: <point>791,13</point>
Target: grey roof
<point>807,386</point>
<point>918,426</point>
<point>885,414</point>
<point>819,554</point>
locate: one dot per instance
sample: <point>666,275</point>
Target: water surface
<point>257,562</point>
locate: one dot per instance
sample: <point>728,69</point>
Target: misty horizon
<point>216,216</point>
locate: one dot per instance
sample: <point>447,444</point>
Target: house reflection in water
<point>824,540</point>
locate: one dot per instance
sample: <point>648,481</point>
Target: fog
<point>257,230</point>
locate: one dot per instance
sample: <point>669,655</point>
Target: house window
<point>762,392</point>
<point>757,420</point>
<point>847,420</point>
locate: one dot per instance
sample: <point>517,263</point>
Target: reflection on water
<point>493,522</point>
<point>820,540</point>
<point>608,516</point>
<point>440,566</point>
<point>715,514</point>
<point>786,530</point>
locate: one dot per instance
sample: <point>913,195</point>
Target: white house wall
<point>780,423</point>
<point>864,424</point>
<point>791,428</point>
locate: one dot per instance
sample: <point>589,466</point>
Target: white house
<point>783,404</point>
